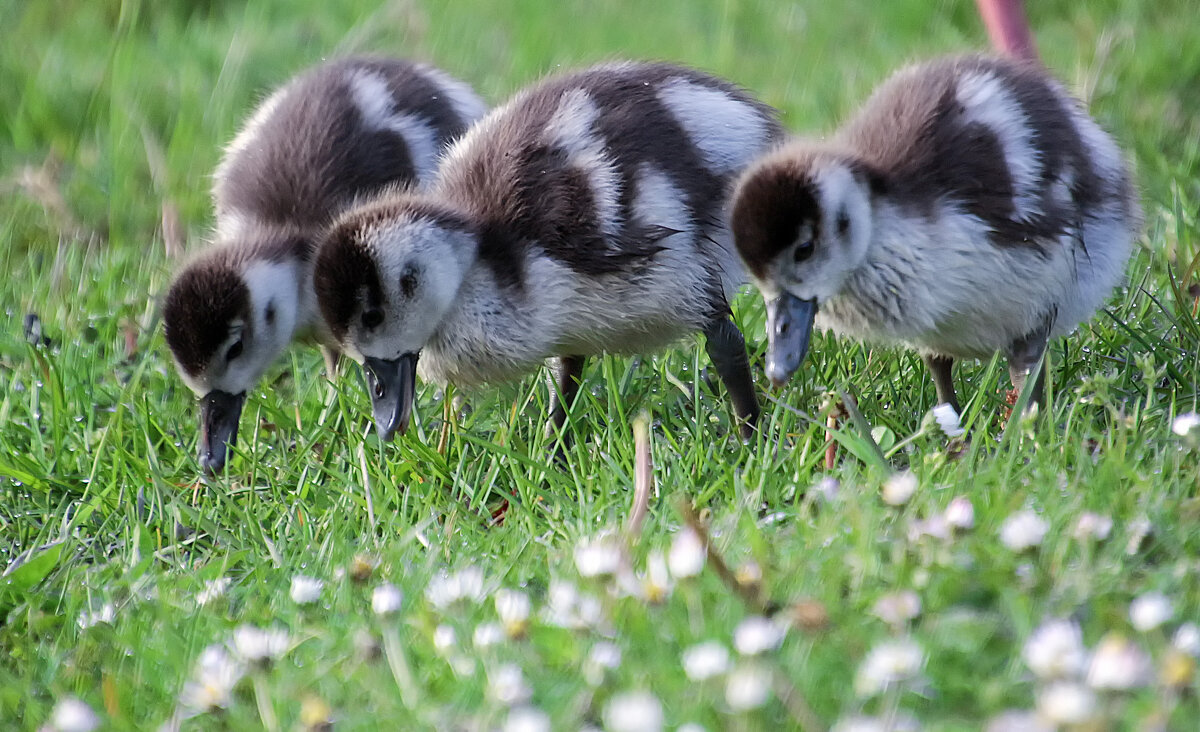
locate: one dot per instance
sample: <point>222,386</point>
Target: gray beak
<point>219,414</point>
<point>392,384</point>
<point>789,327</point>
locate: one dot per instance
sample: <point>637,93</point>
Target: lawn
<point>921,582</point>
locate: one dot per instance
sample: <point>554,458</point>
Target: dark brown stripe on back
<point>526,193</point>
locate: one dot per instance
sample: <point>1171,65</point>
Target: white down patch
<point>437,259</point>
<point>463,100</point>
<point>729,133</point>
<point>633,312</point>
<point>273,286</point>
<point>986,101</point>
<point>573,128</point>
<point>377,108</point>
<point>938,285</point>
<point>659,202</point>
<point>1104,154</point>
<point>233,224</point>
<point>494,334</point>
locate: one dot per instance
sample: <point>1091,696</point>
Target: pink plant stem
<point>1008,28</point>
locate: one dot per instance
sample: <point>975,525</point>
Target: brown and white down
<point>587,215</point>
<point>971,206</point>
<point>335,133</point>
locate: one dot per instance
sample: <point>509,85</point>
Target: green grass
<point>114,112</point>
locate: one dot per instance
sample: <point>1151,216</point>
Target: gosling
<point>971,206</point>
<point>587,215</point>
<point>334,133</point>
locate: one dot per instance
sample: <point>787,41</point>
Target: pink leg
<point>1008,28</point>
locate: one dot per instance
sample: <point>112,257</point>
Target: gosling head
<point>802,223</point>
<point>226,321</point>
<point>386,275</point>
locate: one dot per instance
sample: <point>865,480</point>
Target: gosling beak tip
<point>789,329</point>
<point>392,385</point>
<point>219,414</point>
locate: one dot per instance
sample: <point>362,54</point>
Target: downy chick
<point>587,215</point>
<point>334,133</point>
<point>971,206</point>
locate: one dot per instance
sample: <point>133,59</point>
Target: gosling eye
<point>803,251</point>
<point>408,281</point>
<point>234,351</point>
<point>372,318</point>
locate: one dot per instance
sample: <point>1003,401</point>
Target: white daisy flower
<point>960,514</point>
<point>513,607</point>
<point>366,645</point>
<point>899,488</point>
<point>213,589</point>
<point>604,657</point>
<point>657,584</point>
<point>598,557</point>
<point>1185,423</point>
<point>561,599</point>
<point>306,590</point>
<point>1150,610</point>
<point>748,686</point>
<point>487,635</point>
<point>948,419</point>
<point>827,489</point>
<point>757,634</point>
<point>890,662</point>
<point>386,599</point>
<point>633,711</point>
<point>897,608</point>
<point>1056,650</point>
<point>1139,529</point>
<point>748,574</point>
<point>73,715</point>
<point>1018,720</point>
<point>588,611</point>
<point>444,639</point>
<point>527,719</point>
<point>1023,530</point>
<point>1187,639</point>
<point>446,589</point>
<point>362,566</point>
<point>936,527</point>
<point>705,660</point>
<point>212,684</point>
<point>258,645</point>
<point>506,684</point>
<point>687,554</point>
<point>1118,663</point>
<point>1067,703</point>
<point>1092,527</point>
<point>568,608</point>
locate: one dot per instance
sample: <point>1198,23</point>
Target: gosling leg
<point>726,349</point>
<point>941,368</point>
